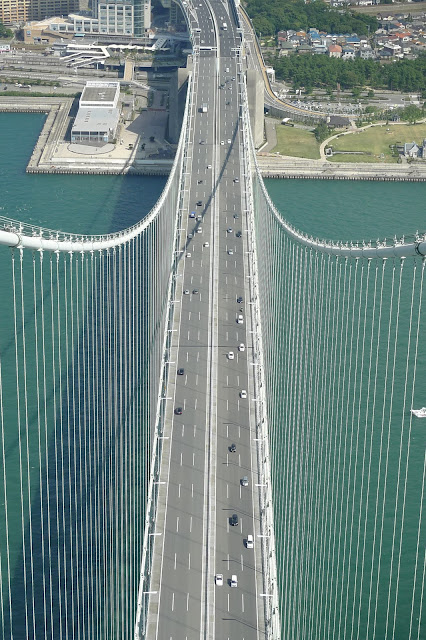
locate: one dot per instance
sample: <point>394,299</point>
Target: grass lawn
<point>377,141</point>
<point>296,142</point>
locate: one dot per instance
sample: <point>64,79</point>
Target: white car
<point>234,581</point>
<point>240,319</point>
<point>206,244</point>
<point>186,292</point>
<point>200,230</point>
<point>188,255</point>
<point>243,394</point>
<point>231,355</point>
<point>230,252</point>
<point>241,347</point>
<point>249,541</point>
<point>222,142</point>
<point>229,140</point>
<point>219,580</point>
<point>209,166</point>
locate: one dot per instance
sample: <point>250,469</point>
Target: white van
<point>234,581</point>
<point>240,319</point>
<point>249,541</point>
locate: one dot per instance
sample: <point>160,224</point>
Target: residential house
<point>335,51</point>
<point>348,52</point>
<point>412,150</point>
<point>366,53</point>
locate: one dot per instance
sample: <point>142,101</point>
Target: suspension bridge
<point>206,425</point>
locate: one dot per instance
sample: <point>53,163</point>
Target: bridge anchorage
<point>206,418</point>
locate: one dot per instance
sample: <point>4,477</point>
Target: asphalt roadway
<point>204,485</point>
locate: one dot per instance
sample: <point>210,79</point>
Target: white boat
<point>419,413</point>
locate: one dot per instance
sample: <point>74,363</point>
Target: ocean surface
<point>104,204</point>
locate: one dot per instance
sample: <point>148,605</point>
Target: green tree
<point>321,132</point>
<point>411,114</point>
<point>5,32</point>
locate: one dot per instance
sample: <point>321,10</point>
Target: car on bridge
<point>192,214</point>
<point>243,394</point>
<point>239,299</point>
<point>231,355</point>
<point>234,520</point>
<point>244,481</point>
<point>233,448</point>
<point>249,542</point>
<point>241,347</point>
<point>234,581</point>
<point>238,234</point>
<point>180,371</point>
<point>219,579</point>
<point>240,319</point>
<point>178,411</point>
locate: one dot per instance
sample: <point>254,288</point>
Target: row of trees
<point>269,18</point>
<point>321,71</point>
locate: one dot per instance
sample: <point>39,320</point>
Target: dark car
<point>178,411</point>
<point>180,372</point>
<point>239,299</point>
<point>195,291</point>
<point>233,448</point>
<point>233,520</point>
<point>199,203</point>
<point>239,234</point>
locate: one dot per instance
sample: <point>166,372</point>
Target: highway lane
<point>204,486</point>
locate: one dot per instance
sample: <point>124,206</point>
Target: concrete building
<point>124,17</point>
<point>20,11</point>
<point>98,114</point>
<point>50,30</point>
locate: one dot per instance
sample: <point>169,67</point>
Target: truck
<point>203,108</point>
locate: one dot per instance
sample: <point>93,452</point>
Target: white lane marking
<point>227,525</point>
<point>188,335</point>
<point>228,561</point>
<point>189,561</point>
<point>227,404</point>
<point>198,356</point>
<point>238,379</point>
<point>190,523</point>
<point>242,563</point>
<point>192,492</point>
<point>242,602</point>
<point>193,459</point>
<point>183,430</point>
<point>227,336</point>
<point>187,602</point>
<point>181,458</point>
<point>189,315</point>
<point>175,563</point>
<point>198,334</point>
<point>195,429</point>
<point>199,315</point>
<point>173,604</point>
<point>228,602</point>
<point>227,491</point>
<point>184,403</point>
<point>196,379</point>
<point>177,524</point>
<point>240,490</point>
<point>187,356</point>
<point>226,277</point>
<point>195,403</point>
<point>179,490</point>
<point>186,378</point>
<point>226,316</point>
<point>227,430</point>
<point>239,431</point>
<point>239,459</point>
<point>227,381</point>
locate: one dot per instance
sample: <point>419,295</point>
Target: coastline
<point>53,154</point>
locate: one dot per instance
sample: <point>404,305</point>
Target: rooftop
<point>99,92</point>
<point>89,119</point>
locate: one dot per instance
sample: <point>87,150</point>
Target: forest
<point>310,71</point>
<point>272,16</point>
<point>5,32</point>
